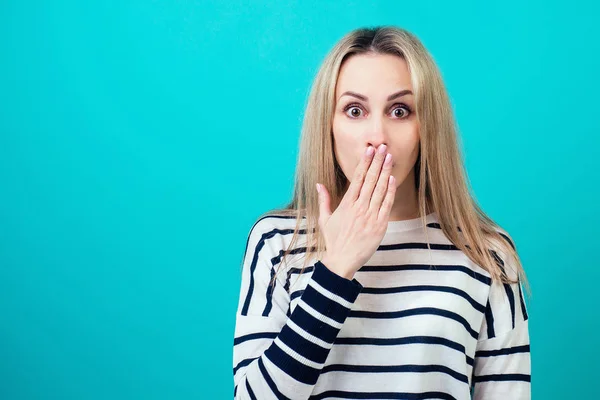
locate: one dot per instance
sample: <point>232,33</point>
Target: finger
<point>382,184</point>
<point>324,204</point>
<point>359,175</point>
<point>388,200</point>
<point>372,176</point>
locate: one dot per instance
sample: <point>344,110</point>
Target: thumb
<point>324,203</point>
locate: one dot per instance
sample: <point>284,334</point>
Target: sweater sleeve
<point>276,356</point>
<point>502,367</point>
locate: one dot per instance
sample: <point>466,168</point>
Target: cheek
<point>347,147</point>
<point>407,149</point>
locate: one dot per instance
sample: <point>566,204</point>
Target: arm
<point>275,356</point>
<point>502,368</point>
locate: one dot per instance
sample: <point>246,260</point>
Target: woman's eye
<point>403,114</point>
<point>354,111</point>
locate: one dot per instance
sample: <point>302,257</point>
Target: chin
<point>400,178</point>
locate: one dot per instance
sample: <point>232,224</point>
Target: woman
<point>382,279</point>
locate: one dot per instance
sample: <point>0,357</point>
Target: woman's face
<point>374,103</point>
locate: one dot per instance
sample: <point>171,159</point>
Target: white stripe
<point>311,338</point>
<point>329,295</point>
<point>296,355</point>
<point>318,315</point>
<point>258,384</point>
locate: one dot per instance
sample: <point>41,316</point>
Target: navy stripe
<point>426,267</point>
<point>336,284</point>
<point>416,311</point>
<point>276,216</point>
<point>269,380</point>
<point>503,352</point>
<point>294,368</point>
<point>409,267</point>
<point>255,258</point>
<point>299,270</point>
<point>523,306</point>
<point>274,261</point>
<point>395,368</point>
<point>250,392</point>
<point>277,259</point>
<point>235,391</point>
<point>361,341</point>
<point>258,247</point>
<point>243,363</point>
<point>489,320</point>
<point>252,336</point>
<point>381,395</point>
<point>291,271</point>
<point>296,270</point>
<point>438,226</point>
<point>400,341</point>
<point>503,378</point>
<point>417,288</point>
<point>324,305</point>
<point>260,219</point>
<point>417,245</point>
<point>511,301</point>
<point>313,326</point>
<point>510,242</point>
<point>269,295</point>
<point>295,294</point>
<point>302,346</point>
<point>507,288</point>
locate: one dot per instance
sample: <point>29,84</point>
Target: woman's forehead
<point>371,75</point>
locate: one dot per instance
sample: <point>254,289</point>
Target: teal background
<point>139,141</point>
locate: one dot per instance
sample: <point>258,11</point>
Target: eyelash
<point>395,106</point>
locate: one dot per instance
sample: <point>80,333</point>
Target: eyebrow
<point>390,97</point>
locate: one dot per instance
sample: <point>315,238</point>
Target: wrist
<point>335,267</point>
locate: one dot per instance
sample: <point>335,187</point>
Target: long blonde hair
<point>439,172</point>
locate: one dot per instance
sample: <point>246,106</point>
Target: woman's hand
<point>354,231</point>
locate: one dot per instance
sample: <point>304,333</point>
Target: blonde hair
<point>440,178</point>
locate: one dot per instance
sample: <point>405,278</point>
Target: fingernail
<point>388,158</point>
<point>369,151</point>
<point>318,188</point>
<point>382,148</point>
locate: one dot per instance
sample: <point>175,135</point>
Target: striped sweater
<point>414,323</point>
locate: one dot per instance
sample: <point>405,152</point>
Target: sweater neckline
<point>408,224</point>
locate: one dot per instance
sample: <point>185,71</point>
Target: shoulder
<point>496,240</point>
<point>273,222</point>
<point>507,240</point>
<point>504,251</point>
<point>271,232</point>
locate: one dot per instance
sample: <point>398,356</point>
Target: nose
<point>376,135</point>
